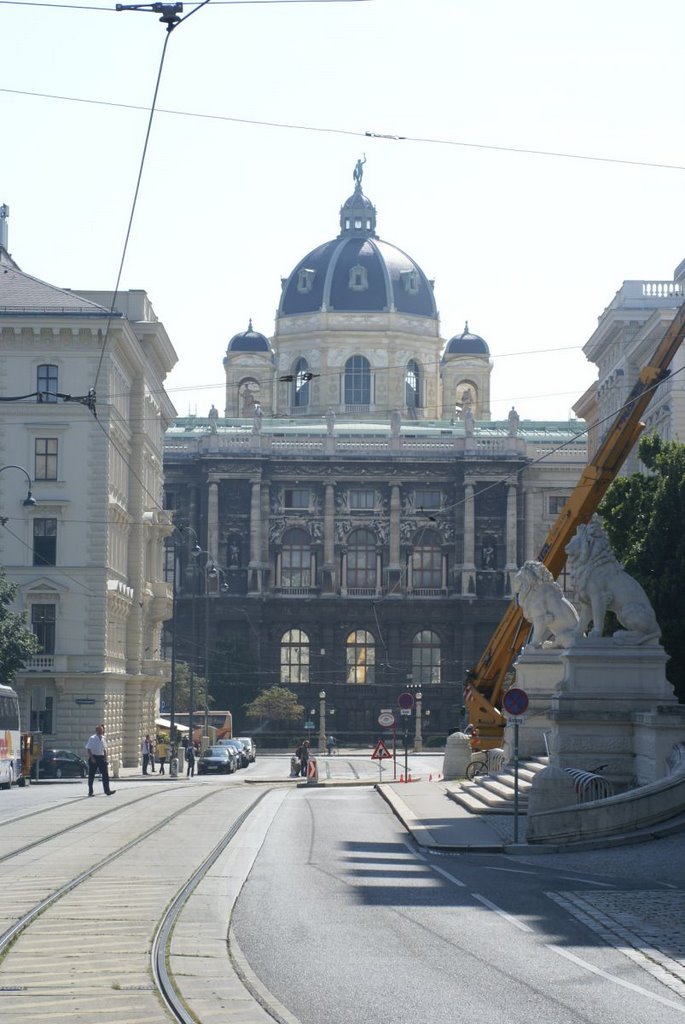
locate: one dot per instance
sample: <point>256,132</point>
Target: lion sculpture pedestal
<point>539,672</point>
<point>606,688</point>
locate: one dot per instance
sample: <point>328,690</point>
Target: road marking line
<point>617,981</point>
<point>502,913</point>
<point>434,867</point>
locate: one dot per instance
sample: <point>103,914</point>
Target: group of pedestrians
<point>156,750</point>
<point>300,759</point>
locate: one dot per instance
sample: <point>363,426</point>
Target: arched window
<point>296,559</point>
<point>294,657</point>
<point>425,658</point>
<point>412,385</point>
<point>426,562</point>
<point>361,657</point>
<point>361,560</point>
<point>302,376</point>
<point>357,381</point>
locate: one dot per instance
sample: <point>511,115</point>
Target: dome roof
<point>249,341</point>
<point>357,271</point>
<point>467,344</point>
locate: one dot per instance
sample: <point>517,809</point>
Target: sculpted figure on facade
<point>330,421</point>
<point>541,599</point>
<point>395,422</point>
<point>469,422</point>
<point>257,419</point>
<point>213,418</point>
<point>601,584</point>
<point>513,420</point>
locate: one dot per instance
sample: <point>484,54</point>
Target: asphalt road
<point>342,920</point>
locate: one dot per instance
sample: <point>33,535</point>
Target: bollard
<point>312,771</point>
<point>173,768</point>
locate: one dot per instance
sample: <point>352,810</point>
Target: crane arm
<point>484,682</point>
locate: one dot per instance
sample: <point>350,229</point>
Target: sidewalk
<point>436,822</point>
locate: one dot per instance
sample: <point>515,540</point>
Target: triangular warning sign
<point>380,752</point>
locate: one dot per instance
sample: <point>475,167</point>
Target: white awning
<point>166,724</point>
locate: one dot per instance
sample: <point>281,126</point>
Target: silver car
<point>250,746</point>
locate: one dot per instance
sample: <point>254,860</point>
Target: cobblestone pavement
<point>645,925</point>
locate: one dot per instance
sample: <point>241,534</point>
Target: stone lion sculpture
<point>601,584</point>
<point>541,599</point>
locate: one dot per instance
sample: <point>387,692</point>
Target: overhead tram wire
<point>215,3</point>
<point>354,133</point>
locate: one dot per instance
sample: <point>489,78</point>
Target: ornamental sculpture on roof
<point>358,173</point>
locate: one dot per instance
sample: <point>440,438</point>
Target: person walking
<point>152,756</point>
<point>303,754</point>
<point>146,750</point>
<point>190,760</point>
<point>162,753</point>
<point>330,745</point>
<point>97,760</point>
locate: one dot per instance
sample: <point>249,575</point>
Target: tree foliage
<point>182,691</point>
<point>17,642</point>
<point>276,703</point>
<point>644,517</point>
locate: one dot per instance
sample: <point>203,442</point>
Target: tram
<point>10,737</point>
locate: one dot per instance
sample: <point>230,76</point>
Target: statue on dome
<point>358,172</point>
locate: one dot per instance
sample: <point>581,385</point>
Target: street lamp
<point>418,737</point>
<point>322,720</point>
<point>29,501</point>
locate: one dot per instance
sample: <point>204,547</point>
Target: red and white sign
<point>380,752</point>
<point>386,719</point>
<point>312,770</point>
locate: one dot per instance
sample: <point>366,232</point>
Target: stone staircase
<point>494,793</point>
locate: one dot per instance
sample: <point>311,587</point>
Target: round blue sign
<point>515,701</point>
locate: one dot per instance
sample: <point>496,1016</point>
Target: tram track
<point>20,966</point>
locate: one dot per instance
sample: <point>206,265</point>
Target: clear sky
<point>528,248</point>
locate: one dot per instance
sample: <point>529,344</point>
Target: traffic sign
<point>515,701</point>
<point>386,719</point>
<point>309,725</point>
<point>405,711</point>
<point>515,719</point>
<point>405,701</point>
<point>380,752</point>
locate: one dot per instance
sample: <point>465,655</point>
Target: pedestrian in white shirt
<point>97,759</point>
<point>146,749</point>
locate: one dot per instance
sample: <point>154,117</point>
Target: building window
<point>46,382</point>
<point>357,381</point>
<point>45,458</point>
<point>361,560</point>
<point>410,280</point>
<point>294,657</point>
<point>358,279</point>
<point>45,542</point>
<point>43,625</point>
<point>555,503</point>
<point>296,497</point>
<point>361,657</point>
<point>302,377</point>
<point>296,559</point>
<point>425,658</point>
<point>305,280</point>
<point>362,499</point>
<point>426,563</point>
<point>425,499</point>
<point>412,385</point>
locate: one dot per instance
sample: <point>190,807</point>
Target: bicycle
<point>478,766</point>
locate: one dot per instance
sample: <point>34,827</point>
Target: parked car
<point>251,746</point>
<point>216,761</point>
<point>240,752</point>
<point>59,764</point>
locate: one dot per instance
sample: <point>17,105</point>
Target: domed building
<point>360,517</point>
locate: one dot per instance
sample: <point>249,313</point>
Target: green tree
<point>17,642</point>
<point>182,694</point>
<point>276,703</point>
<point>644,517</point>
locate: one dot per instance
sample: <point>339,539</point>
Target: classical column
<point>468,576</point>
<point>511,563</point>
<point>529,498</point>
<point>255,536</point>
<point>328,569</point>
<point>394,568</point>
<point>213,519</point>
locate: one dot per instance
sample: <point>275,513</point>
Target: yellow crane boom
<point>484,683</point>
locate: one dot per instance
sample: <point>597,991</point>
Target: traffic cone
<point>430,777</point>
<point>401,776</point>
<point>409,778</point>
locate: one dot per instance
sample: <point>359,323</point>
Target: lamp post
<point>322,720</point>
<point>29,501</point>
<point>418,736</point>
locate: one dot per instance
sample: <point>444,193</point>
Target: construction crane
<point>485,681</point>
